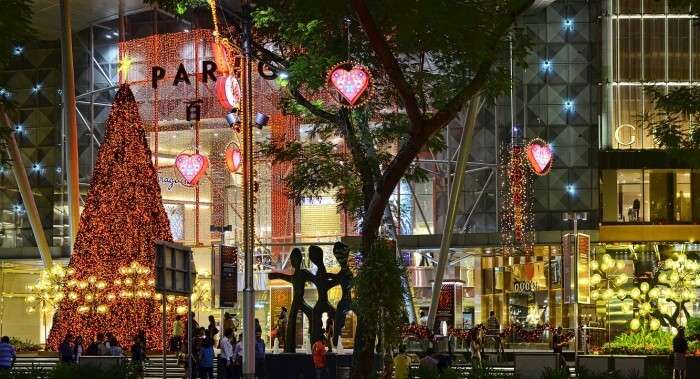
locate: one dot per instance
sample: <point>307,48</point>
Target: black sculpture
<point>323,281</point>
<point>344,278</point>
<point>298,281</point>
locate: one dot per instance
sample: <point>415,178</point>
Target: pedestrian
<point>259,356</point>
<point>282,326</point>
<point>176,339</point>
<point>108,340</point>
<point>258,328</point>
<point>558,344</point>
<point>226,355</point>
<point>206,358</point>
<point>494,330</point>
<point>212,329</point>
<point>402,364</point>
<point>680,349</point>
<point>429,362</point>
<point>318,354</point>
<point>423,319</point>
<point>197,342</point>
<point>8,355</point>
<point>143,340</point>
<point>138,355</point>
<point>238,357</point>
<point>329,333</point>
<point>115,349</point>
<point>228,323</point>
<point>102,348</point>
<point>476,344</point>
<point>65,350</point>
<point>78,348</point>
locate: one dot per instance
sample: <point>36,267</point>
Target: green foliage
<point>178,7</point>
<point>668,124</point>
<point>379,294</point>
<point>72,371</point>
<point>24,345</point>
<point>692,329</point>
<point>642,342</point>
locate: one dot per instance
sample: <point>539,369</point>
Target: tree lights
<point>114,249</point>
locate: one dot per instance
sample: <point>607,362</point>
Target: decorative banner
<point>567,262</point>
<point>228,287</point>
<point>540,155</point>
<point>351,80</point>
<point>584,268</point>
<point>192,167</point>
<point>228,91</point>
<point>233,158</point>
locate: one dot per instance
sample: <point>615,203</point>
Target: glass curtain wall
<point>653,44</point>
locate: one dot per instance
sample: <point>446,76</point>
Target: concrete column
<point>71,121</point>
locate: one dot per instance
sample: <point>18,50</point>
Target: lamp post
<point>248,226</point>
<point>575,217</point>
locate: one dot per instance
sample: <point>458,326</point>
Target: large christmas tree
<point>113,260</point>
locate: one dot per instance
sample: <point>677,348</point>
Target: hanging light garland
<point>517,231</point>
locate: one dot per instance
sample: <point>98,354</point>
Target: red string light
<point>122,218</point>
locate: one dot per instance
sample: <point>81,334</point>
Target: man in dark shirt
<point>558,343</point>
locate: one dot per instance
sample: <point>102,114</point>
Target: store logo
<point>168,182</point>
<point>632,138</point>
<point>525,286</point>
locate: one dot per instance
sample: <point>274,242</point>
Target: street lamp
<point>575,217</point>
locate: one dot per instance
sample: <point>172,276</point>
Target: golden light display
<point>122,219</point>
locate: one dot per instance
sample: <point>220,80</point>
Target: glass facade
<point>652,45</point>
<point>650,195</point>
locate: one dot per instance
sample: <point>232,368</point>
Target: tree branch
<point>315,110</point>
<point>389,62</point>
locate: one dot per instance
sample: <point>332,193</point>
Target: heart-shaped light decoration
<point>192,167</point>
<point>233,158</point>
<point>350,83</point>
<point>540,156</point>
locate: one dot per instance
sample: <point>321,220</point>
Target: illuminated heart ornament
<point>233,158</point>
<point>540,156</point>
<point>350,83</point>
<point>192,167</point>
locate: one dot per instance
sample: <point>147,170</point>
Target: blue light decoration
<point>571,189</point>
<point>36,88</point>
<point>18,50</point>
<point>546,65</point>
<point>18,208</point>
<point>283,75</point>
<point>568,24</point>
<point>4,93</point>
<point>569,105</point>
<point>59,170</point>
<point>36,166</point>
<point>19,128</point>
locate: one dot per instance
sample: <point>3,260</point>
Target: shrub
<point>641,343</point>
<point>24,345</point>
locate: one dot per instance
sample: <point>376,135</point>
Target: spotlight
<point>19,128</point>
<point>232,118</point>
<point>18,50</point>
<point>568,24</point>
<point>284,75</point>
<point>108,36</point>
<point>115,34</point>
<point>261,120</point>
<point>546,65</point>
<point>568,105</point>
<point>571,189</point>
<point>36,88</point>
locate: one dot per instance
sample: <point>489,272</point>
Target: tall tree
<point>428,59</point>
<point>114,253</point>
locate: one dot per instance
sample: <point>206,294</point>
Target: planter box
<point>532,365</point>
<point>630,365</point>
<point>595,364</point>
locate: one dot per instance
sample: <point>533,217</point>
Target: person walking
<point>318,354</point>
<point>494,330</point>
<point>476,345</point>
<point>238,357</point>
<point>228,323</point>
<point>8,354</point>
<point>206,358</point>
<point>402,364</point>
<point>212,329</point>
<point>176,339</point>
<point>115,349</point>
<point>282,326</point>
<point>259,356</point>
<point>680,349</point>
<point>138,355</point>
<point>65,350</point>
<point>558,344</point>
<point>226,356</point>
<point>78,348</point>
